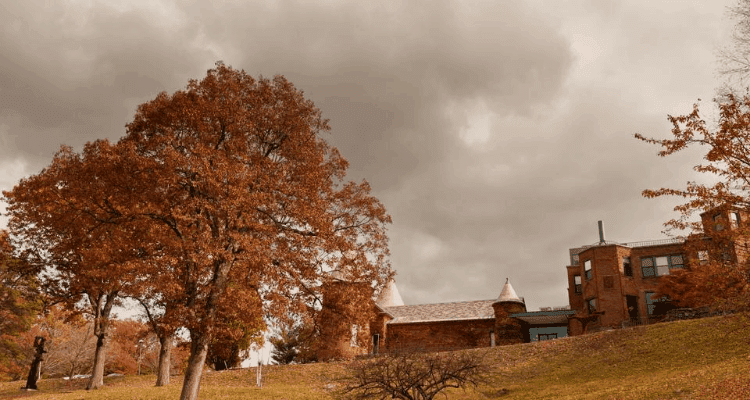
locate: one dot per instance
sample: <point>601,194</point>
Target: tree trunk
<point>165,354</point>
<point>100,356</point>
<point>36,364</point>
<point>192,383</point>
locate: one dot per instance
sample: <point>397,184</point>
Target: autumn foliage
<point>19,304</point>
<point>221,206</point>
<point>718,246</point>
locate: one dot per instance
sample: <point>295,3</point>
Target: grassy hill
<point>699,359</point>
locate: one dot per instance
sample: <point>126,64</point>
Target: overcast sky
<point>496,133</point>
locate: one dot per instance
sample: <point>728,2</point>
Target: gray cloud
<point>496,133</point>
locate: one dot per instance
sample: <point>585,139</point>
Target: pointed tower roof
<point>508,294</point>
<point>390,297</point>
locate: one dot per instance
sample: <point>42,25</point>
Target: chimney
<point>601,233</point>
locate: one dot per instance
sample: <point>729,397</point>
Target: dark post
<point>601,233</point>
<point>34,373</point>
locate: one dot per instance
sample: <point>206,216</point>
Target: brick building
<point>610,285</point>
<point>613,285</point>
<point>447,326</point>
<point>460,325</point>
<point>617,281</point>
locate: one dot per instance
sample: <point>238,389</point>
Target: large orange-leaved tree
<point>222,208</point>
<point>245,196</point>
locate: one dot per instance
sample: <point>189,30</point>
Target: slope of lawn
<point>698,359</point>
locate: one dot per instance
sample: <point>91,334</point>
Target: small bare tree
<point>734,60</point>
<point>414,375</point>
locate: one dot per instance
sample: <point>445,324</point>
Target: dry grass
<point>700,359</point>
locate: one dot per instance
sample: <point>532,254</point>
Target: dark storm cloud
<point>71,74</point>
<point>496,133</point>
<point>385,75</point>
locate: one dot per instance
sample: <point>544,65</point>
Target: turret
<point>508,330</point>
<point>343,301</point>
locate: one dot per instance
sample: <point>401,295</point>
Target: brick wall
<point>443,335</point>
<point>574,299</point>
<point>509,330</point>
<point>610,286</point>
<point>344,304</point>
<point>378,327</point>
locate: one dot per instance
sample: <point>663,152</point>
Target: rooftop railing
<point>645,243</point>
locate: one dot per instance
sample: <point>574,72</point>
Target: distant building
<point>451,326</point>
<point>613,285</point>
<point>610,285</point>
<point>617,281</point>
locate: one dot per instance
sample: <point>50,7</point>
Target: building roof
<point>390,297</point>
<point>462,310</point>
<point>545,317</point>
<point>508,294</point>
<point>644,243</point>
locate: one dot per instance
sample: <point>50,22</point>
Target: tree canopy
<point>222,205</point>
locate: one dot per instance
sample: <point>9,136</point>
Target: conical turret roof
<point>508,294</point>
<point>390,297</point>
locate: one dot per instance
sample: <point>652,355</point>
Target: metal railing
<point>659,242</point>
<point>645,243</point>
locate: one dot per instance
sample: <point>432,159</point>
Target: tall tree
<point>718,253</point>
<point>243,193</point>
<point>76,236</point>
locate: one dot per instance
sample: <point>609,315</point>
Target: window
<point>587,269</point>
<point>574,259</point>
<point>734,219</point>
<point>353,340</point>
<point>546,336</point>
<point>577,283</point>
<point>591,305</point>
<point>718,226</point>
<point>627,269</point>
<point>703,256</point>
<point>651,301</point>
<point>660,265</point>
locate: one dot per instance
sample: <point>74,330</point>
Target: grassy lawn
<point>699,359</point>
